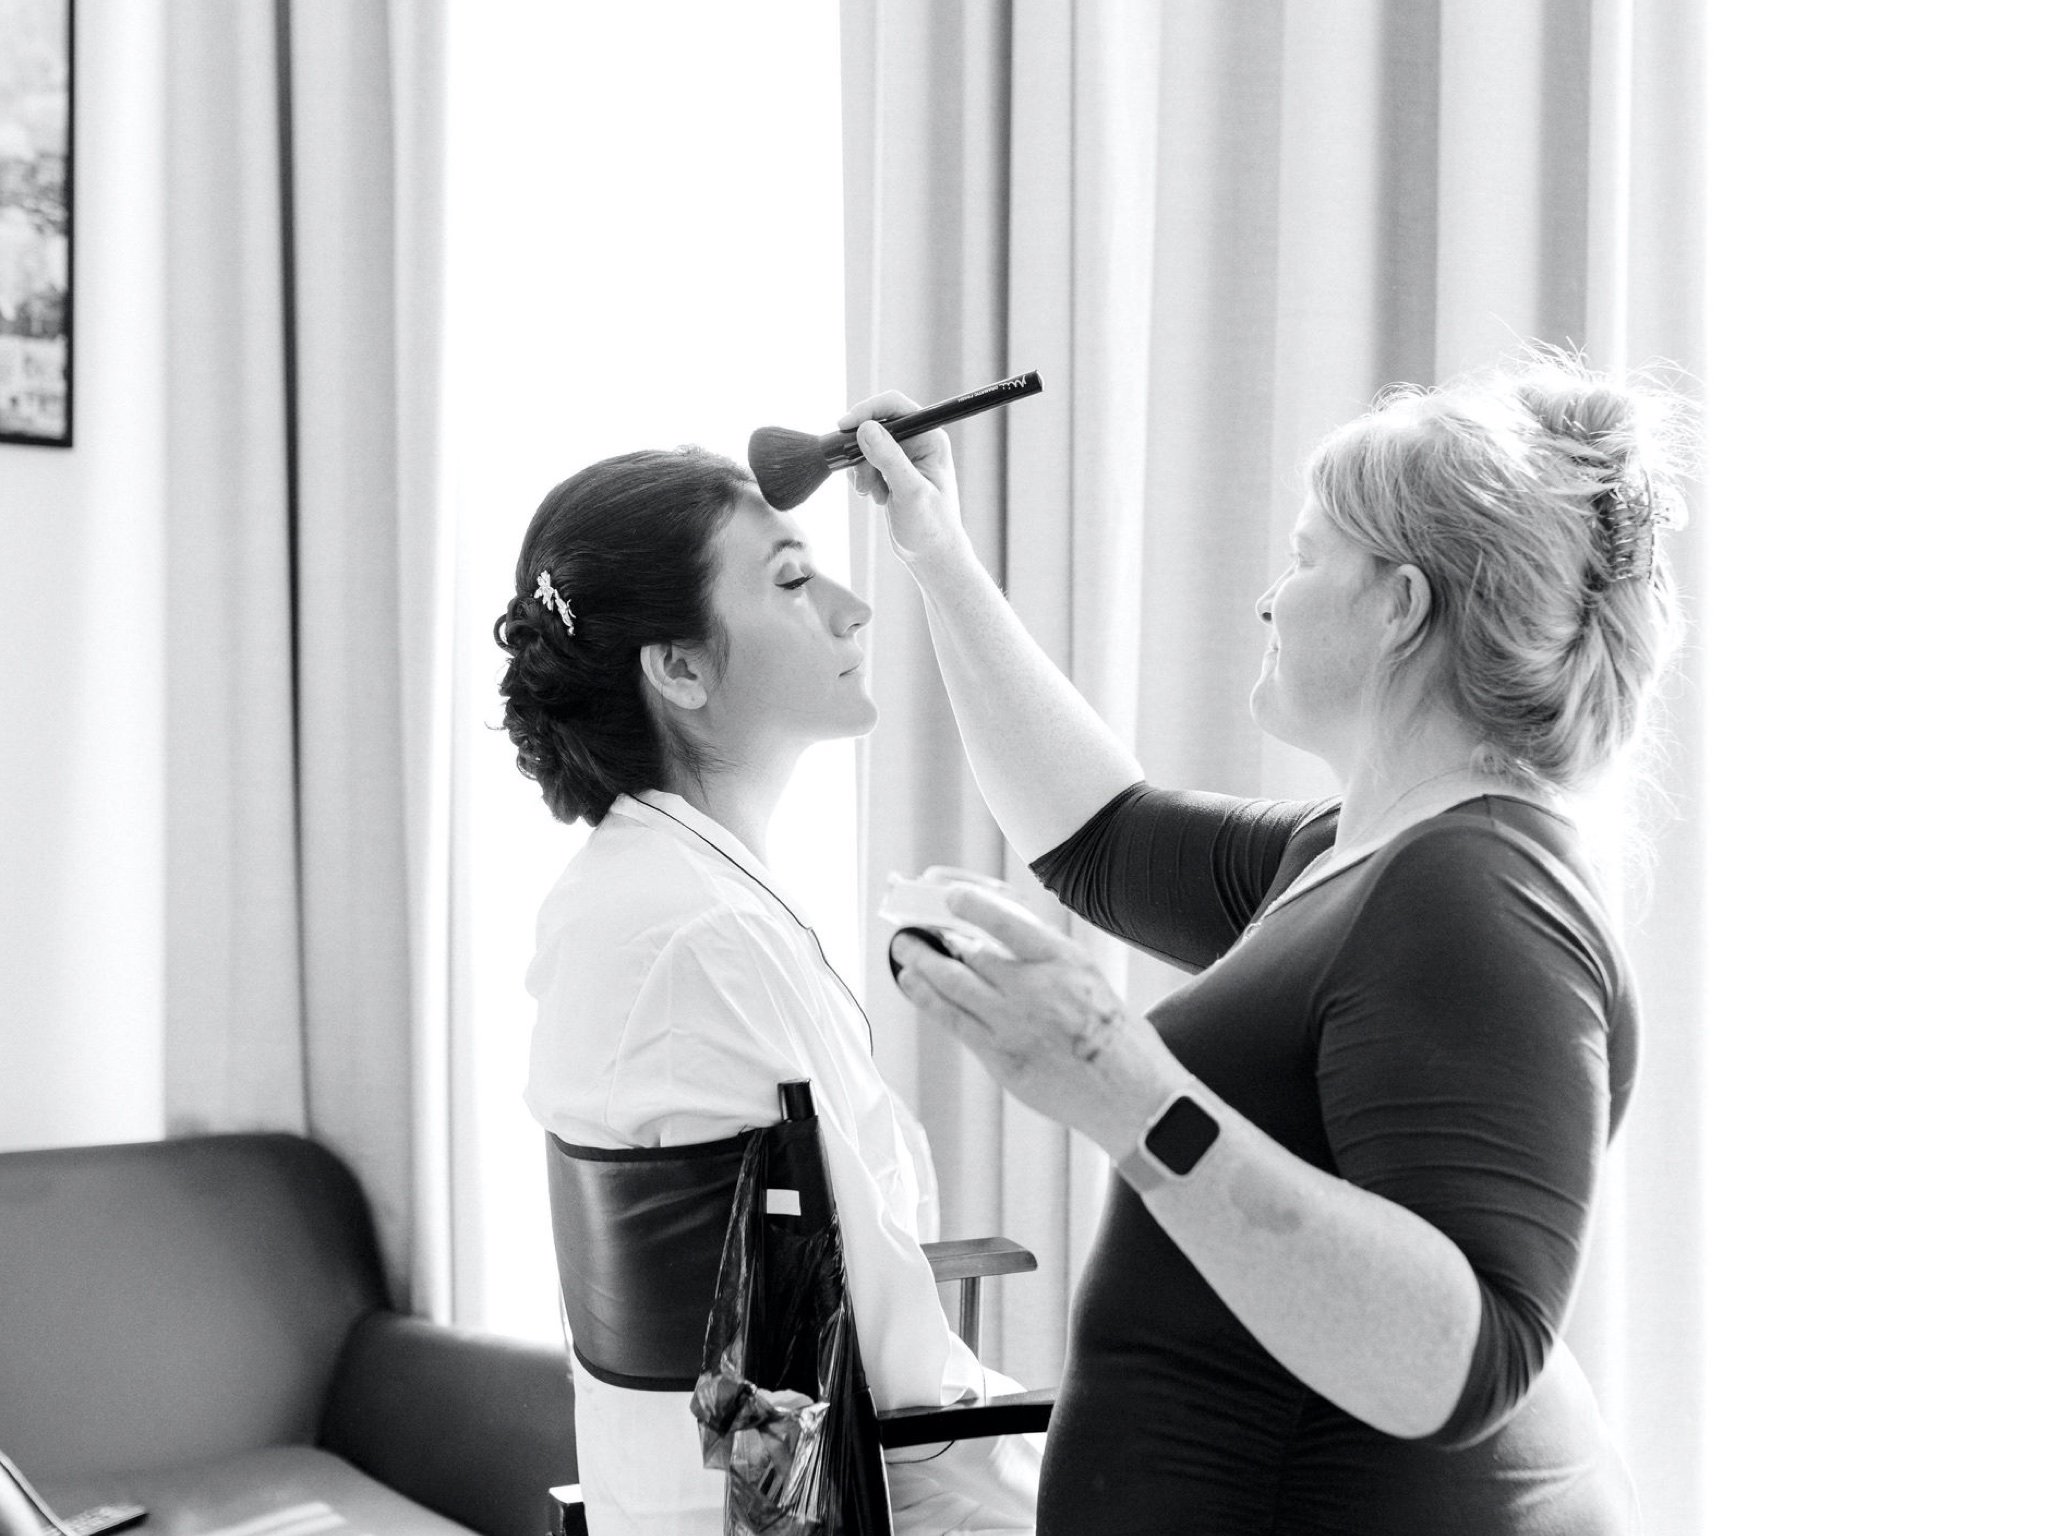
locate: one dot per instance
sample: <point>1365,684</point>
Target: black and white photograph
<point>1057,767</point>
<point>35,221</point>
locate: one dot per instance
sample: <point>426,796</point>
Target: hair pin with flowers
<point>549,596</point>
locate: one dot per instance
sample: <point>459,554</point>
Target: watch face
<point>1182,1135</point>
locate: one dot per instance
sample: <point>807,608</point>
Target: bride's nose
<point>853,613</point>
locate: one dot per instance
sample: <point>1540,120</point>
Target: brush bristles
<point>788,465</point>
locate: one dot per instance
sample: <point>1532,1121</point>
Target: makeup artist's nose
<point>1265,603</point>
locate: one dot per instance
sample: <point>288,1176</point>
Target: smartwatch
<point>1175,1140</point>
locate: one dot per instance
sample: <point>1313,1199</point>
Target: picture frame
<point>38,122</point>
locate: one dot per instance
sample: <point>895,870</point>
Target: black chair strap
<point>638,1236</point>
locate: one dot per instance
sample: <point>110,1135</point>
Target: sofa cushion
<point>171,1303</point>
<point>290,1490</point>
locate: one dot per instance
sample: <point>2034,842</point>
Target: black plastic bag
<point>783,1402</point>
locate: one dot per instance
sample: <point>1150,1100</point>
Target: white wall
<point>1877,1036</point>
<point>81,671</point>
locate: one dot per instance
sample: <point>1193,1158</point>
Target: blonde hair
<point>1532,497</point>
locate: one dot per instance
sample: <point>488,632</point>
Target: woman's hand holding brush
<point>1043,759</point>
<point>790,465</point>
<point>913,481</point>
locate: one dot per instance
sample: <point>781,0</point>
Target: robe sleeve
<point>717,1024</point>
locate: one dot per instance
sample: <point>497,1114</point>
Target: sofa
<point>202,1326</point>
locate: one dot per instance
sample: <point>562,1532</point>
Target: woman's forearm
<point>1363,1300</point>
<point>1044,760</point>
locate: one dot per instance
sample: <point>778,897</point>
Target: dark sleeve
<point>1463,1070</point>
<point>1177,873</point>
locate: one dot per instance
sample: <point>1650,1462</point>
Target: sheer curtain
<point>644,250</point>
<point>427,264</point>
<point>306,674</point>
<point>1218,229</point>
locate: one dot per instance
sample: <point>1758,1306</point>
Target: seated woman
<point>673,651</point>
<point>1360,1149</point>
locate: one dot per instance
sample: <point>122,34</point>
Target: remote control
<point>102,1518</point>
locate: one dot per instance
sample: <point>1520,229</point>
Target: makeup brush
<point>789,465</point>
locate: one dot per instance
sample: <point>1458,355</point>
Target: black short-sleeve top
<point>1446,1023</point>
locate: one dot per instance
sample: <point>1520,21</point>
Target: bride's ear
<point>676,672</point>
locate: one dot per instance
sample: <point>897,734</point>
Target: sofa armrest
<point>474,1426</point>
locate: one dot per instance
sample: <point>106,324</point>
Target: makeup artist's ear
<point>1409,602</point>
<point>676,672</point>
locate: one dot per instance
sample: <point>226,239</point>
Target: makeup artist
<point>1359,1151</point>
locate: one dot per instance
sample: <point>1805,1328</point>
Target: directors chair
<point>641,1236</point>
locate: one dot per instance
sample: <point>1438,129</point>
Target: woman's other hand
<point>1043,1021</point>
<point>1362,1299</point>
<point>913,481</point>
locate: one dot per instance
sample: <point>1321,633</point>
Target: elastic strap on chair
<point>638,1235</point>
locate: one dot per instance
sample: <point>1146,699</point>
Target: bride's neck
<point>739,796</point>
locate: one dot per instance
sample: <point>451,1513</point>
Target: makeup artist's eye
<point>791,586</point>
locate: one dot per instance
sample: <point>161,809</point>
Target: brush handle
<point>841,448</point>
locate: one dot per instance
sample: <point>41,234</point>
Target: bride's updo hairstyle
<point>1533,498</point>
<point>618,556</point>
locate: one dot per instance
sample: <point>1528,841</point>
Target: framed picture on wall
<point>36,123</point>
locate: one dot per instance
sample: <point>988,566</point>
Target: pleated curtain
<point>308,648</point>
<point>1218,228</point>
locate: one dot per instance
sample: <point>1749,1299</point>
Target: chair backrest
<point>640,1233</point>
<point>638,1236</point>
<point>168,1302</point>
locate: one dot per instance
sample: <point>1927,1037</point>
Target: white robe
<point>677,985</point>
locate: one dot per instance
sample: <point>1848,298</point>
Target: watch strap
<point>1140,1171</point>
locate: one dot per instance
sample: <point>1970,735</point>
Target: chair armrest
<point>1018,1413</point>
<point>970,1261</point>
<point>474,1426</point>
<point>976,1257</point>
